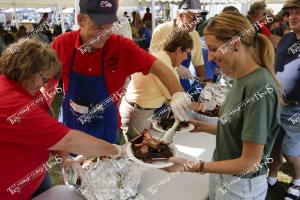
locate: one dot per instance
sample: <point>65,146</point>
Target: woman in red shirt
<point>28,133</point>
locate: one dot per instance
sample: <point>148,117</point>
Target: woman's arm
<point>204,127</point>
<point>250,158</point>
<point>248,162</point>
<point>78,142</point>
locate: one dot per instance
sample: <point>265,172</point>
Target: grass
<point>276,193</point>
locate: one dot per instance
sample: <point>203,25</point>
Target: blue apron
<point>186,83</point>
<point>88,91</point>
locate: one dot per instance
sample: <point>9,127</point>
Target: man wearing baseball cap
<point>189,15</point>
<point>96,64</point>
<point>287,73</point>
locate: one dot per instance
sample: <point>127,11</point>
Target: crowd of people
<point>259,52</point>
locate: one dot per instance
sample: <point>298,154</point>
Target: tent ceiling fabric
<point>70,3</point>
<point>34,3</point>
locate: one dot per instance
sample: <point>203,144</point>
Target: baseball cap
<point>193,6</point>
<point>291,4</point>
<point>100,11</point>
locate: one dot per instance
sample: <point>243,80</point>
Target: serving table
<point>160,185</point>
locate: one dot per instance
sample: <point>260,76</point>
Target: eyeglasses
<point>45,80</point>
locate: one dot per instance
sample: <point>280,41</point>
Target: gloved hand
<point>73,169</point>
<point>210,105</point>
<point>180,105</point>
<point>184,73</point>
<point>121,150</point>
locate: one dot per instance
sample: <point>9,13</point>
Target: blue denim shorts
<point>290,122</point>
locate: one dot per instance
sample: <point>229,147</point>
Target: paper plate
<point>183,129</point>
<point>154,165</point>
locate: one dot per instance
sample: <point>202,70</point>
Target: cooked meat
<point>149,149</point>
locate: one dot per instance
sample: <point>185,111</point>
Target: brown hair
<point>229,24</point>
<point>256,7</point>
<point>182,40</point>
<point>21,60</point>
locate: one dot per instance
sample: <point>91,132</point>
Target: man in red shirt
<point>96,67</point>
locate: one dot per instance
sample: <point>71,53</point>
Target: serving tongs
<point>168,136</point>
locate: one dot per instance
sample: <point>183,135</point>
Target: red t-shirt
<point>122,58</point>
<point>24,144</point>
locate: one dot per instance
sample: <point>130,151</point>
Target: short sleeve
<point>197,57</point>
<point>36,130</point>
<point>137,59</point>
<point>258,114</point>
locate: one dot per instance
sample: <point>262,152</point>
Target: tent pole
<point>16,18</point>
<point>62,21</point>
<point>153,14</point>
<point>75,14</point>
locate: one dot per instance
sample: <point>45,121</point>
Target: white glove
<point>74,168</point>
<point>211,105</point>
<point>121,150</point>
<point>180,105</point>
<point>184,73</point>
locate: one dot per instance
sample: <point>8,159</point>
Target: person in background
<point>147,19</point>
<point>244,139</point>
<point>93,72</point>
<point>147,35</point>
<point>256,13</point>
<point>210,66</point>
<point>147,16</point>
<point>123,27</point>
<point>57,31</point>
<point>230,8</point>
<point>126,15</point>
<point>13,31</point>
<point>280,27</point>
<point>188,16</point>
<point>44,19</point>
<point>8,39</point>
<point>27,143</point>
<point>147,93</point>
<point>2,44</point>
<point>287,73</point>
<point>21,32</point>
<point>136,25</point>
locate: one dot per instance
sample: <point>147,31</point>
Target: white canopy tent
<point>39,4</point>
<point>35,3</point>
<point>213,6</point>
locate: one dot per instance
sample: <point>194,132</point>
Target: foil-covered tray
<point>107,179</point>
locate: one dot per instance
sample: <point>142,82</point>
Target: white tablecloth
<point>189,186</point>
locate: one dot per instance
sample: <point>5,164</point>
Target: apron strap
<point>73,59</point>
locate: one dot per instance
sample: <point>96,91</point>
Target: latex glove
<point>209,105</point>
<point>170,133</point>
<point>184,73</point>
<point>74,167</point>
<point>121,150</point>
<point>181,105</point>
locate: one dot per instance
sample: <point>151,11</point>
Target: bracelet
<point>120,152</point>
<point>201,167</point>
